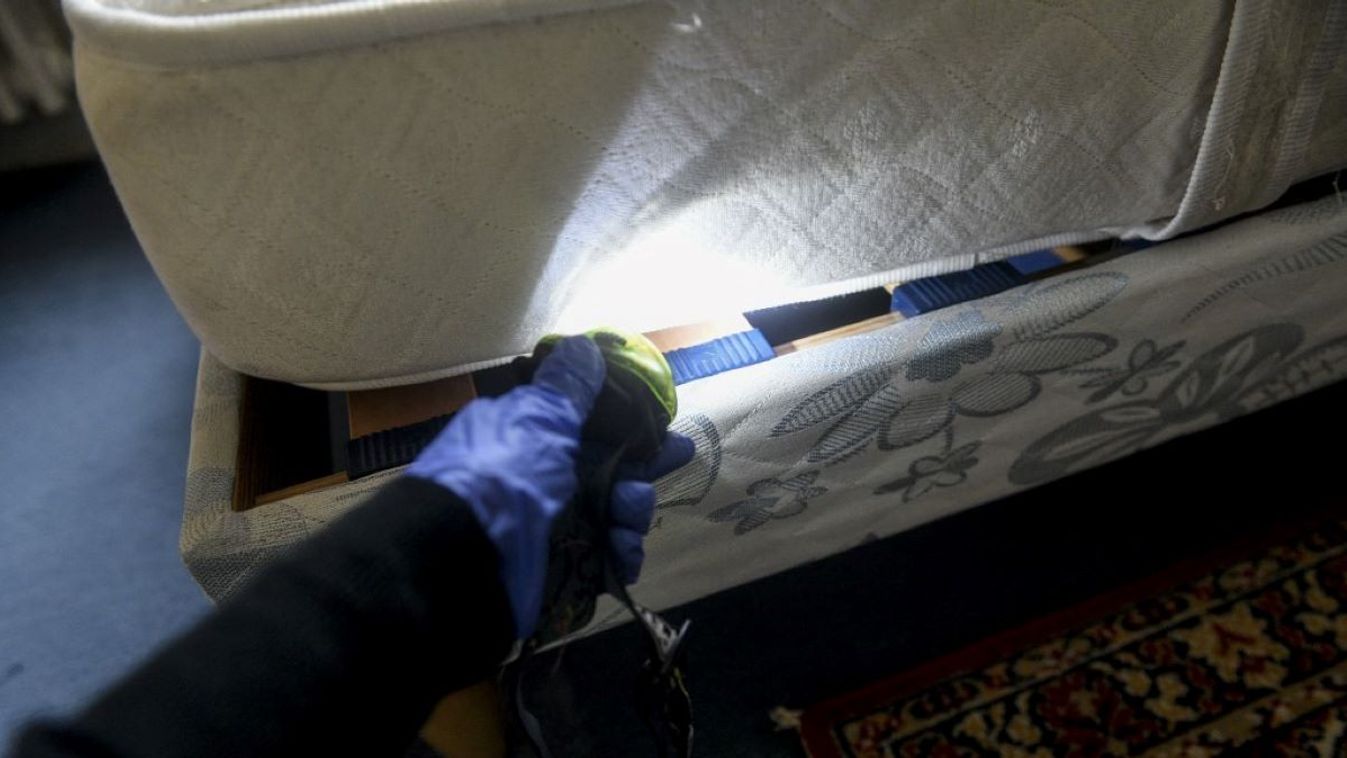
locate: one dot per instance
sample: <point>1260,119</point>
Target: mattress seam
<point>215,40</point>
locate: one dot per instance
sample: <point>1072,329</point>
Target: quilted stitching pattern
<point>402,210</point>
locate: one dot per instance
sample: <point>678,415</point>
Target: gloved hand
<point>632,506</point>
<point>512,459</point>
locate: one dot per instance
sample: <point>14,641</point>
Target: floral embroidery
<point>925,474</point>
<point>950,344</point>
<point>770,499</point>
<point>1240,375</point>
<point>1145,363</point>
<point>879,405</point>
<point>874,405</point>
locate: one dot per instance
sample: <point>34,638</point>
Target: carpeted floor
<point>1249,657</point>
<point>96,377</point>
<point>96,380</point>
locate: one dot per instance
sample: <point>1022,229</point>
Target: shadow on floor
<point>836,625</point>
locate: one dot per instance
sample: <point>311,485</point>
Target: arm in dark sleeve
<point>341,647</point>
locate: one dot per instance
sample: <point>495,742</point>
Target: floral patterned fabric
<point>815,452</point>
<point>1251,658</point>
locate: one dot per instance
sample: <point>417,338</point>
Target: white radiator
<point>36,74</point>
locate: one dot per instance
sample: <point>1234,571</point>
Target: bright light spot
<point>681,270</point>
<point>689,26</point>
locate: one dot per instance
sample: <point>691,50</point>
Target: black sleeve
<point>341,647</point>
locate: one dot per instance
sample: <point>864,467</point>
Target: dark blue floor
<point>96,381</point>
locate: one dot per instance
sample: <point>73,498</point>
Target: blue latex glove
<point>512,459</point>
<point>631,507</point>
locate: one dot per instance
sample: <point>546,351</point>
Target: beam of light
<point>679,269</point>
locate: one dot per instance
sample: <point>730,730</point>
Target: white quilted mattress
<point>351,194</point>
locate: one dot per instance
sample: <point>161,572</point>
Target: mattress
<point>815,452</point>
<point>356,193</point>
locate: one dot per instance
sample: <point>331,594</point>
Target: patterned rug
<point>1251,657</point>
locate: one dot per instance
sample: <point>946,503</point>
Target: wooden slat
<point>850,330</point>
<point>312,485</point>
<point>373,411</point>
<point>1070,253</point>
<point>687,335</point>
